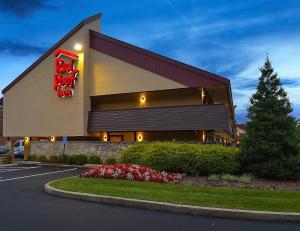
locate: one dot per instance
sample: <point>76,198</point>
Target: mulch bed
<point>255,183</point>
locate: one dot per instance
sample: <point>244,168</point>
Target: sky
<point>230,38</point>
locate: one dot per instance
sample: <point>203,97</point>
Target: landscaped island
<point>247,199</point>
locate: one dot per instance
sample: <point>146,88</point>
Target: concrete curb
<point>53,164</point>
<point>62,165</point>
<point>29,162</point>
<point>175,208</point>
<point>7,165</point>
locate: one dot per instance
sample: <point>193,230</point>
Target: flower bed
<point>131,172</point>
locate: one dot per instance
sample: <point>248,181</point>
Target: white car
<point>19,148</point>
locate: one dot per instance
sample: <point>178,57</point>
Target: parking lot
<point>25,206</point>
<point>18,172</point>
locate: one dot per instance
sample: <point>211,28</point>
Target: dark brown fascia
<point>51,50</point>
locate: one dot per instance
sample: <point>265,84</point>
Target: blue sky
<point>228,37</point>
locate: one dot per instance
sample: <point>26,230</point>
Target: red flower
<point>131,172</point>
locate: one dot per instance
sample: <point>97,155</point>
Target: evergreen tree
<point>269,148</point>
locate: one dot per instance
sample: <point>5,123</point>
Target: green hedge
<point>77,159</point>
<point>192,159</point>
<point>94,159</point>
<point>110,160</point>
<point>33,157</point>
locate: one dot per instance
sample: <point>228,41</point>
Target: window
<point>116,138</point>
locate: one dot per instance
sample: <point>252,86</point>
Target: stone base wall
<point>103,149</point>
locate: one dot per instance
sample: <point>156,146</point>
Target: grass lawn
<point>250,199</point>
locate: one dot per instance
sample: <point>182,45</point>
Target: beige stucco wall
<point>164,98</point>
<point>112,76</point>
<point>32,107</point>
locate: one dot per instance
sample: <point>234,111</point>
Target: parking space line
<point>40,174</point>
<point>16,169</point>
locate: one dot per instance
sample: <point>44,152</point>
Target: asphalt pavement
<point>25,206</point>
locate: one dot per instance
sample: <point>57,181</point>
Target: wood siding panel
<point>183,118</point>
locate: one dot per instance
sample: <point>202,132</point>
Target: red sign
<point>66,73</point>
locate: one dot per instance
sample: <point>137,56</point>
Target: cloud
<point>229,48</point>
<point>19,48</point>
<point>23,8</point>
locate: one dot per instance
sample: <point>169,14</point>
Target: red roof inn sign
<point>66,73</point>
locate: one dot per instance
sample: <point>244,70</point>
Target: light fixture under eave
<point>140,138</point>
<point>52,138</point>
<point>78,47</point>
<point>105,137</point>
<point>27,139</point>
<point>143,99</point>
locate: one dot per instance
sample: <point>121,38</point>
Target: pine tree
<point>269,148</point>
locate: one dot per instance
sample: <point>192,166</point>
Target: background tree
<point>269,148</point>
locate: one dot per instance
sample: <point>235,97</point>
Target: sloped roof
<point>164,66</point>
<point>161,65</point>
<point>52,49</point>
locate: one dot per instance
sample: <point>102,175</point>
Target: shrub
<point>94,159</point>
<point>214,177</point>
<point>184,158</point>
<point>171,157</point>
<point>8,159</point>
<point>216,159</point>
<point>133,154</point>
<point>62,159</point>
<point>77,159</point>
<point>33,157</point>
<point>229,178</point>
<point>110,160</point>
<point>42,158</point>
<point>245,179</point>
<point>284,168</point>
<point>53,159</point>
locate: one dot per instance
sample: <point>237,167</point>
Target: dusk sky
<point>226,37</point>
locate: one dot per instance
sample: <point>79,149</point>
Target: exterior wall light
<point>140,138</point>
<point>143,99</point>
<point>77,47</point>
<point>202,95</point>
<point>105,138</point>
<point>27,139</point>
<point>52,138</point>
